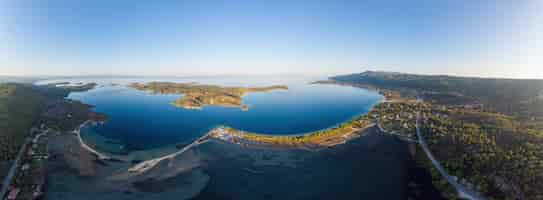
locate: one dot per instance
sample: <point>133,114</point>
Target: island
<point>196,96</point>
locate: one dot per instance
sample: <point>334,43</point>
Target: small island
<point>195,96</point>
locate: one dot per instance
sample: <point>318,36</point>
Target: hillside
<point>19,108</point>
<point>485,132</point>
<point>522,99</point>
<point>487,152</point>
<point>22,105</point>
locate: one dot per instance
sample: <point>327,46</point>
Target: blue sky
<point>498,38</point>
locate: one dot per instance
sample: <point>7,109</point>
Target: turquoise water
<point>142,121</point>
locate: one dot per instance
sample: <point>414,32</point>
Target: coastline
<point>146,165</point>
<point>77,132</point>
<point>233,136</point>
<point>136,172</point>
<point>240,137</point>
<point>357,125</point>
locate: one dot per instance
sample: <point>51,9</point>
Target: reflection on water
<point>140,121</point>
<point>143,126</point>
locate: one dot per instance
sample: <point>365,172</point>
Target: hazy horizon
<point>324,76</point>
<point>497,39</point>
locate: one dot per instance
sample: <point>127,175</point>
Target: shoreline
<point>354,117</point>
<point>330,141</point>
<point>77,132</point>
<point>240,134</point>
<point>357,125</point>
<point>247,139</point>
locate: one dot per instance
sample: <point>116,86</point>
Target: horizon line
<point>271,74</point>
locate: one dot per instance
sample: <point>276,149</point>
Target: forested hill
<point>522,98</point>
<point>19,108</point>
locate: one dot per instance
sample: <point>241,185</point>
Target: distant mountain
<point>517,97</point>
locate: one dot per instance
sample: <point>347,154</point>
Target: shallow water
<point>370,167</point>
<point>140,121</point>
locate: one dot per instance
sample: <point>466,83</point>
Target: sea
<point>142,126</point>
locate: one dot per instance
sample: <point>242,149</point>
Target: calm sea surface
<point>141,120</point>
<point>370,167</point>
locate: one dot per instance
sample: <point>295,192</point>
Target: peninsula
<point>314,140</point>
<point>195,96</point>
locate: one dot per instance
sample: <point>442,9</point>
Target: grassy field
<point>19,108</point>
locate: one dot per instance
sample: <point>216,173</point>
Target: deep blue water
<point>141,120</point>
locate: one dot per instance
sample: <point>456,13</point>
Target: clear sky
<point>498,38</point>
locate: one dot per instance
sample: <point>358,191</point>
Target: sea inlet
<point>143,125</point>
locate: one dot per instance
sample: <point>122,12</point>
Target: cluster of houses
<point>31,166</point>
<point>222,134</point>
<point>398,118</point>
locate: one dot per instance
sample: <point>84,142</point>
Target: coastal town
<point>29,176</point>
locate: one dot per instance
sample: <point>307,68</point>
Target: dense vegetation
<point>64,114</point>
<point>486,132</point>
<point>19,108</point>
<point>58,91</point>
<point>519,98</point>
<point>21,105</point>
<point>491,153</point>
<point>23,111</point>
